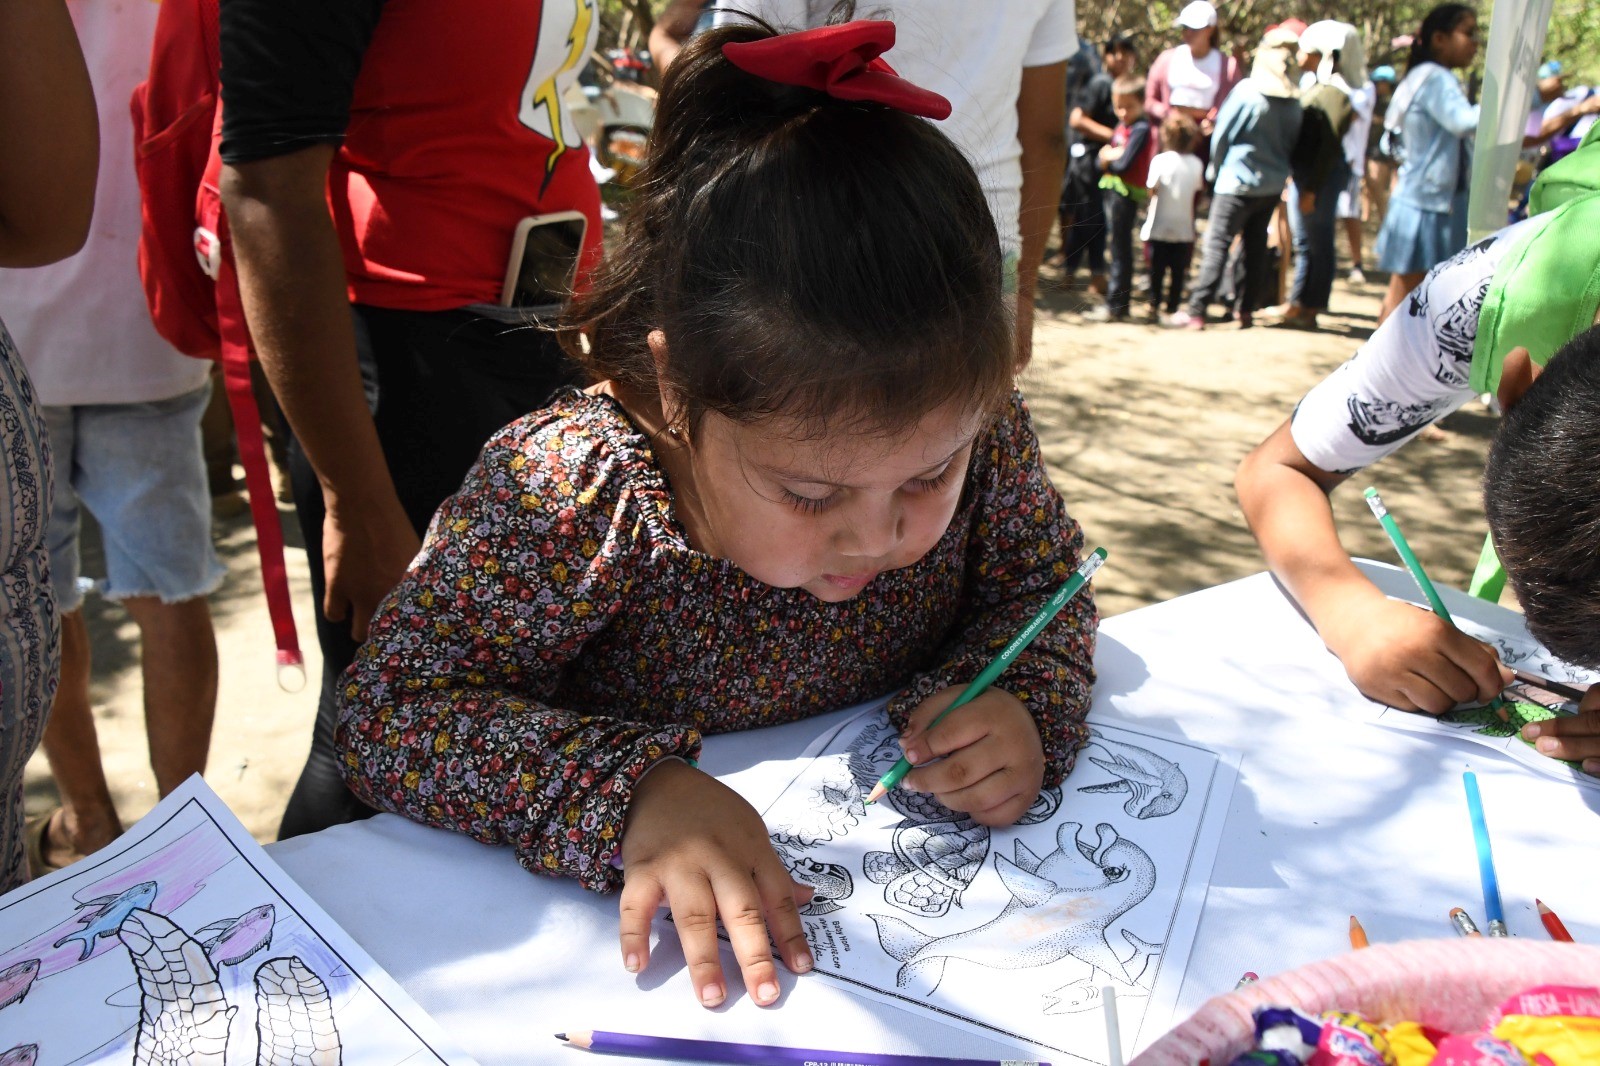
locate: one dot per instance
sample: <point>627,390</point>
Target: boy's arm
<point>1132,149</point>
<point>1385,395</point>
<point>446,717</point>
<point>1023,547</point>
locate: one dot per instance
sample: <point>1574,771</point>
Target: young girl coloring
<point>802,479</point>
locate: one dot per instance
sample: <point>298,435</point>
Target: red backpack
<point>186,260</point>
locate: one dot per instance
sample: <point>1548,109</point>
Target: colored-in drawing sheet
<point>1524,703</point>
<point>183,942</point>
<point>1013,932</point>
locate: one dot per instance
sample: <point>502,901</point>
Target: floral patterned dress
<point>557,636</point>
<point>30,633</point>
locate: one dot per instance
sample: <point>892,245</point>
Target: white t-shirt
<point>1412,372</point>
<point>972,53</point>
<point>1193,83</point>
<point>1175,177</point>
<point>1363,102</point>
<point>82,325</point>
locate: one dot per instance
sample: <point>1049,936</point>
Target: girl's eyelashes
<point>818,504</point>
<point>807,504</point>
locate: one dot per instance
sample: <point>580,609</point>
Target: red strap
<point>253,456</point>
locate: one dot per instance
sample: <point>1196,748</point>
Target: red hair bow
<point>841,61</point>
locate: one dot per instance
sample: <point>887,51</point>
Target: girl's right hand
<point>1414,660</point>
<point>695,844</point>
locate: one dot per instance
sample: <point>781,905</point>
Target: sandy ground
<point>1142,428</point>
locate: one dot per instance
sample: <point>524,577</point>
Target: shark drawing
<point>1061,904</point>
<point>105,915</point>
<point>1154,785</point>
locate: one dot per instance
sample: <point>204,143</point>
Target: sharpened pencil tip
<point>877,793</point>
<point>561,1036</point>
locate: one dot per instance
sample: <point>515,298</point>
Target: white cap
<point>1197,15</point>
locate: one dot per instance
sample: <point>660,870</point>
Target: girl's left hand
<point>990,760</point>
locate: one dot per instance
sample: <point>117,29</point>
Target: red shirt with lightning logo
<point>449,121</point>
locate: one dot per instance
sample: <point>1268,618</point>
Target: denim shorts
<point>139,470</point>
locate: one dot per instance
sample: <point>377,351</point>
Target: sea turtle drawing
<point>931,865</point>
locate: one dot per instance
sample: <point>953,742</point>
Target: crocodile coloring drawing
<point>1061,904</point>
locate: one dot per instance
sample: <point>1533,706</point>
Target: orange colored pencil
<point>1552,923</point>
<point>1358,935</point>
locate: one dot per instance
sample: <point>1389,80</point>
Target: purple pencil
<point>666,1047</point>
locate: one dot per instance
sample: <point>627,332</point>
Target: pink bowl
<point>1451,984</point>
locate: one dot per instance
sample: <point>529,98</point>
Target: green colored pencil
<point>1407,556</point>
<point>1006,657</point>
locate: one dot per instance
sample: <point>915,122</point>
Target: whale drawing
<point>1061,904</point>
<point>1155,786</point>
<point>105,915</point>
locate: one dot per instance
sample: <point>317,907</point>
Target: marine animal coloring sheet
<point>1501,729</point>
<point>182,942</point>
<point>1016,931</point>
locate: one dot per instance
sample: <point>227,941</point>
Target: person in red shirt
<point>378,156</point>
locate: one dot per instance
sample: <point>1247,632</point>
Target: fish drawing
<point>831,885</point>
<point>1155,786</point>
<point>21,1055</point>
<point>1061,904</point>
<point>232,940</point>
<point>16,980</point>
<point>105,915</point>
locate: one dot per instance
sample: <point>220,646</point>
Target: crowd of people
<point>1298,145</point>
<point>770,458</point>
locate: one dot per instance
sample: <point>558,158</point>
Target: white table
<point>1330,817</point>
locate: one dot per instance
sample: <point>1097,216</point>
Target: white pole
<point>1516,43</point>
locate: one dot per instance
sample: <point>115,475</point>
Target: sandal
<point>36,831</point>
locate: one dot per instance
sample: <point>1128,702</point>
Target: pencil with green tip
<point>1035,626</point>
<point>1407,556</point>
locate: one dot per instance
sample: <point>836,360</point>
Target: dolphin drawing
<point>16,980</point>
<point>104,916</point>
<point>1060,905</point>
<point>1154,785</point>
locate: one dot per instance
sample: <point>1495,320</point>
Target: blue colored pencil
<point>1480,833</point>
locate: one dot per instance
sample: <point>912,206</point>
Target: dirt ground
<point>1142,428</point>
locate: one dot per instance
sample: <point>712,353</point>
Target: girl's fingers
<point>782,898</point>
<point>694,915</point>
<point>744,917</point>
<point>641,898</point>
<point>959,730</point>
<point>998,799</point>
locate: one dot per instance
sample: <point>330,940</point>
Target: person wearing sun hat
<point>1195,76</point>
<point>1255,132</point>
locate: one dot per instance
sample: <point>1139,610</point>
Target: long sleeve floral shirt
<point>557,636</point>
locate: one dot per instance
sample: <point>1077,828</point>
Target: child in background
<point>1168,234</point>
<point>1126,162</point>
<point>801,480</point>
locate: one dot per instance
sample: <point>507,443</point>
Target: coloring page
<point>182,942</point>
<point>1012,932</point>
<point>1499,730</point>
<point>1521,652</point>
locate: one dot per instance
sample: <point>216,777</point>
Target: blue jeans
<point>1314,237</point>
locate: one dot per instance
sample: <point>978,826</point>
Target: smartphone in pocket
<point>544,259</point>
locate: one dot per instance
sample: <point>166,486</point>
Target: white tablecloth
<point>1331,817</point>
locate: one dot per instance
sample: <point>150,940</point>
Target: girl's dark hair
<point>832,261</point>
<point>1442,19</point>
